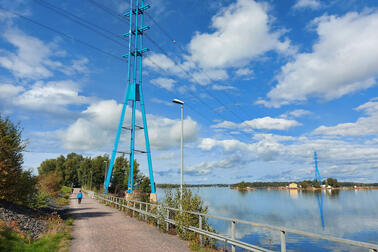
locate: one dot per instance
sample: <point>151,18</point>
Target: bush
<point>40,200</point>
<point>190,203</point>
<point>50,184</point>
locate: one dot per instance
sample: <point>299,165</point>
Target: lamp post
<point>91,182</point>
<point>106,171</point>
<point>182,142</point>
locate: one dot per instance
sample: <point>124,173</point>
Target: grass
<point>194,246</point>
<point>56,239</point>
<point>64,196</point>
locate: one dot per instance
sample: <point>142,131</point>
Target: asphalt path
<point>101,228</point>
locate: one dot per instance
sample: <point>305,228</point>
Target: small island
<point>312,185</point>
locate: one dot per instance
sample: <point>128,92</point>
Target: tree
<point>71,167</point>
<point>120,172</point>
<point>15,184</point>
<point>332,182</point>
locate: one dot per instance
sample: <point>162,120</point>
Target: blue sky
<point>265,84</point>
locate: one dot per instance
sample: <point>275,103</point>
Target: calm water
<point>345,214</point>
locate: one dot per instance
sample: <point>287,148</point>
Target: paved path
<point>101,228</point>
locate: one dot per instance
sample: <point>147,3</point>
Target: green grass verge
<point>54,240</point>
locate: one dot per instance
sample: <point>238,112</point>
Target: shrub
<point>40,200</point>
<point>50,184</point>
<point>190,203</point>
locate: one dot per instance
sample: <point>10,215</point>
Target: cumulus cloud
<point>245,73</point>
<point>164,83</point>
<point>8,91</point>
<point>342,61</point>
<point>35,59</point>
<point>363,126</point>
<point>51,96</point>
<point>223,87</point>
<point>204,168</point>
<point>97,126</point>
<point>260,123</point>
<point>338,157</point>
<point>32,57</point>
<point>312,4</point>
<point>296,113</point>
<point>242,32</point>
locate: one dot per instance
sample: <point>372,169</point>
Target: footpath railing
<point>147,210</point>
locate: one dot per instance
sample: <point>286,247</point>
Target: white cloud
<point>204,77</point>
<point>246,73</point>
<point>338,158</point>
<point>296,113</point>
<point>222,87</point>
<point>242,33</point>
<point>164,83</point>
<point>97,126</point>
<point>160,101</point>
<point>33,58</point>
<point>363,126</point>
<point>342,61</point>
<point>52,96</point>
<point>165,65</point>
<point>312,4</point>
<point>77,66</point>
<point>160,62</point>
<point>204,168</point>
<point>166,155</point>
<point>260,123</point>
<point>8,91</point>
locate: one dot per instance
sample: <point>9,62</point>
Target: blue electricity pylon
<point>317,174</point>
<point>134,93</point>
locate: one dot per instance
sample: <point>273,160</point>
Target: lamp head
<point>178,101</point>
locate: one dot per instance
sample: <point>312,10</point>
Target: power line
<point>166,33</point>
<point>111,12</point>
<point>94,48</point>
<point>84,23</point>
<point>78,20</point>
<point>63,34</point>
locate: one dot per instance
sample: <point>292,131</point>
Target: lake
<point>349,214</point>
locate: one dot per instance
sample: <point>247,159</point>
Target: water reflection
<point>345,214</point>
<point>293,193</point>
<point>319,197</point>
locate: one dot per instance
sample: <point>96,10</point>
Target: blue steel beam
<point>317,174</point>
<point>134,93</point>
<point>111,164</point>
<point>146,138</point>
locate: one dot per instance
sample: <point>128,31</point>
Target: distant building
<point>293,186</point>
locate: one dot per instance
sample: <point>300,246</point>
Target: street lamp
<point>182,141</point>
<point>106,170</point>
<point>91,182</point>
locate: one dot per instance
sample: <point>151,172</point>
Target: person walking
<point>79,196</point>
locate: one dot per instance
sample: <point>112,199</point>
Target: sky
<point>265,84</point>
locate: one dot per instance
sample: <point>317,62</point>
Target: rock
<point>29,221</point>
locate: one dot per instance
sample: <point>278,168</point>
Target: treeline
<point>74,170</point>
<point>164,186</point>
<point>303,184</point>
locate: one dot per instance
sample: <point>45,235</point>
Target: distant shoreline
<point>359,186</point>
